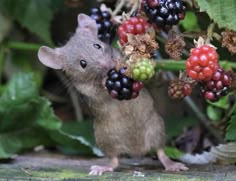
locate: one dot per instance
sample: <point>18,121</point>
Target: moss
<point>70,174</point>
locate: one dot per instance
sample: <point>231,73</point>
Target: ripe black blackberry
<point>164,13</point>
<point>218,86</point>
<point>106,29</point>
<point>120,86</point>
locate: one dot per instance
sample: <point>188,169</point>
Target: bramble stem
<point>174,65</point>
<point>22,46</point>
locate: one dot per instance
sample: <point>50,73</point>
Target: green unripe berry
<point>143,70</point>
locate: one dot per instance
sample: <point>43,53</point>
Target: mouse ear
<point>85,21</point>
<point>50,57</point>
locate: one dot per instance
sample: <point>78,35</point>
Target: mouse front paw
<point>99,170</point>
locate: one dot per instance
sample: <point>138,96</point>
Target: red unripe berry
<point>202,63</point>
<point>134,25</point>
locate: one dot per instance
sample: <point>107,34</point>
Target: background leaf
<point>34,15</point>
<point>230,131</point>
<point>27,120</point>
<point>222,12</point>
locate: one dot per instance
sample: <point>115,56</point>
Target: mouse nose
<point>107,65</point>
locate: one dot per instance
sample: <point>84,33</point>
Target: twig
<point>26,171</point>
<point>118,7</point>
<point>73,95</point>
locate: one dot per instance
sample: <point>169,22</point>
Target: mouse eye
<point>83,63</point>
<point>97,46</point>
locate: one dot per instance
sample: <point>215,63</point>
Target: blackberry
<point>164,13</point>
<point>217,86</point>
<point>120,86</point>
<point>106,29</point>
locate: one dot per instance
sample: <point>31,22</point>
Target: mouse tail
<point>224,153</point>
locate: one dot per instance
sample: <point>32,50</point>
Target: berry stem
<point>119,7</point>
<point>210,31</point>
<point>174,65</point>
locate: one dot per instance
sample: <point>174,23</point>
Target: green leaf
<point>214,113</point>
<point>27,120</point>
<point>20,89</point>
<point>173,152</point>
<point>231,129</point>
<point>223,103</point>
<point>35,15</point>
<point>16,141</point>
<point>190,22</point>
<point>222,12</point>
<point>77,137</point>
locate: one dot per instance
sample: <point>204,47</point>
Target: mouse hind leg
<point>99,170</point>
<point>169,164</point>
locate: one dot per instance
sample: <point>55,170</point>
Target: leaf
<point>190,22</point>
<point>35,15</point>
<point>77,137</point>
<point>173,152</point>
<point>222,12</point>
<point>27,120</point>
<point>16,141</point>
<point>214,113</point>
<point>223,103</point>
<point>231,129</point>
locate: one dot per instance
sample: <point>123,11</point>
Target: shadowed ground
<point>47,167</point>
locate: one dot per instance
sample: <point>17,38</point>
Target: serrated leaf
<point>35,15</point>
<point>77,138</point>
<point>222,12</point>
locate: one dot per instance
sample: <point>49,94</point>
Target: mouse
<point>130,127</point>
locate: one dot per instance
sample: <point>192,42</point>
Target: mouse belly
<point>129,127</point>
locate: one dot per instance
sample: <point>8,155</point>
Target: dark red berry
<point>134,25</point>
<point>179,88</point>
<point>218,86</point>
<point>202,63</point>
<point>120,86</point>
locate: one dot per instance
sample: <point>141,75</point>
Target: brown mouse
<point>121,127</point>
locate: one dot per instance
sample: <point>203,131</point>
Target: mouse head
<point>83,55</point>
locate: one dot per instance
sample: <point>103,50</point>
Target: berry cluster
<point>134,25</point>
<point>122,87</point>
<point>202,63</point>
<point>164,13</point>
<point>106,30</point>
<point>217,86</point>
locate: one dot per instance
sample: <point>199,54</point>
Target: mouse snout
<point>106,66</point>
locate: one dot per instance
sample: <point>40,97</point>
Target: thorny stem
<point>210,31</point>
<point>135,6</point>
<point>118,7</point>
